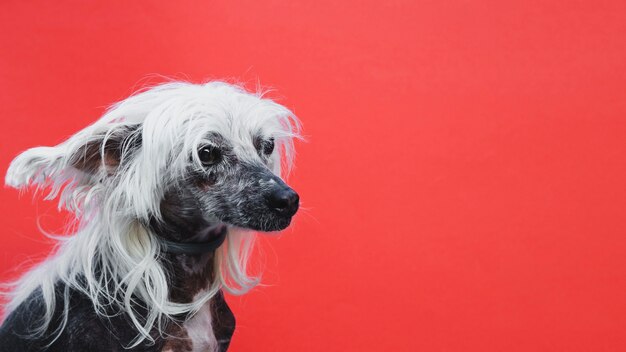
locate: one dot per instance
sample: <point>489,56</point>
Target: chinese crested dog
<point>167,187</point>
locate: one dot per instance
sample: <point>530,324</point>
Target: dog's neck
<point>191,274</point>
<point>182,221</point>
<point>192,271</point>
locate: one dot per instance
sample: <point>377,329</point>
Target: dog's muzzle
<point>269,205</point>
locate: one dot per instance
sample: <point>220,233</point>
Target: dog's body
<point>88,331</point>
<point>165,187</point>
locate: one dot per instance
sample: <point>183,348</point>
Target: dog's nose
<point>284,201</point>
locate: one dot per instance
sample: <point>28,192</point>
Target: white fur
<point>175,119</point>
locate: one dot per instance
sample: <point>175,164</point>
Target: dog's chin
<point>272,225</point>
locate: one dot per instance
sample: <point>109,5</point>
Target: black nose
<point>284,201</point>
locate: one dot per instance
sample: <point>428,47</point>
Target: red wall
<point>464,175</point>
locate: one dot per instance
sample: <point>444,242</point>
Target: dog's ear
<point>106,152</point>
<point>84,155</point>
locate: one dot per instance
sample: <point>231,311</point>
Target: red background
<point>463,179</point>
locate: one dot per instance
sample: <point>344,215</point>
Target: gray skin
<point>228,191</point>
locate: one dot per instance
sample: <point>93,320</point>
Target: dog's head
<point>182,158</point>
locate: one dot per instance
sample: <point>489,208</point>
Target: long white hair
<point>111,257</point>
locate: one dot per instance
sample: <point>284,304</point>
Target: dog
<point>168,188</point>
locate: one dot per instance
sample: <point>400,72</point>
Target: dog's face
<point>228,173</point>
<point>230,182</point>
<point>236,185</point>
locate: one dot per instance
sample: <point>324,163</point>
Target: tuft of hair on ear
<point>83,159</point>
<point>35,166</point>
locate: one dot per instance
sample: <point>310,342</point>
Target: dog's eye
<point>209,155</point>
<point>268,146</point>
